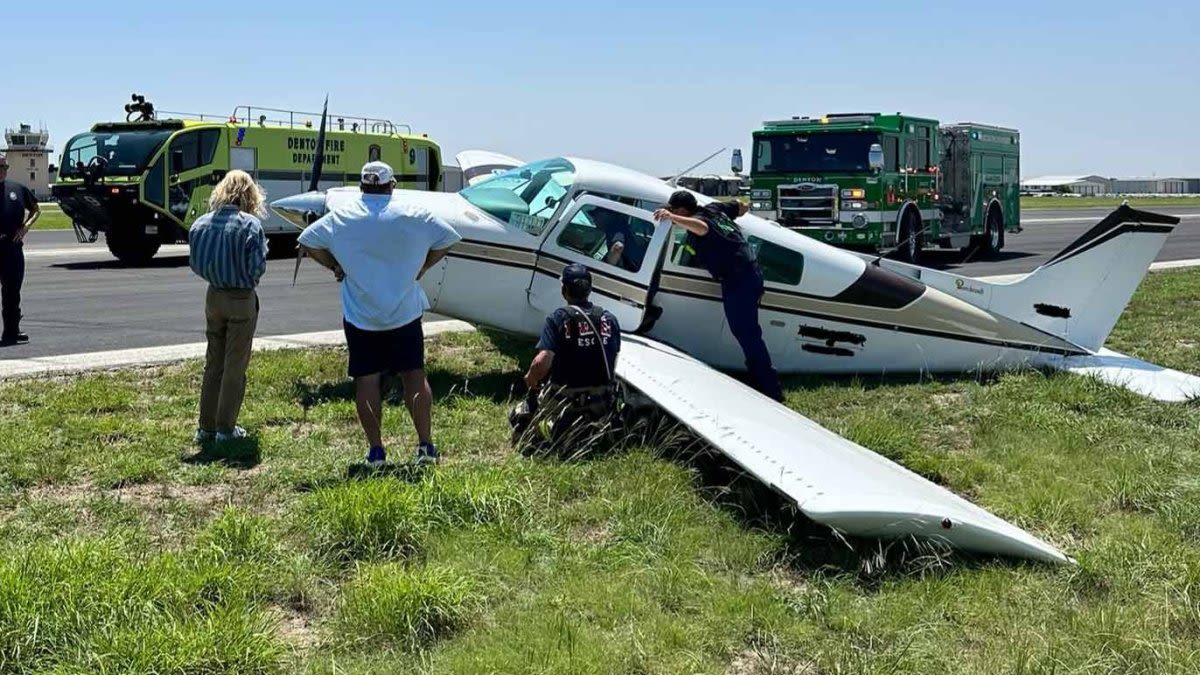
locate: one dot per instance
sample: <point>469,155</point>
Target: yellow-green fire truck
<point>900,182</point>
<point>144,182</point>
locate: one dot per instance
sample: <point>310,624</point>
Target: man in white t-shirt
<point>379,249</point>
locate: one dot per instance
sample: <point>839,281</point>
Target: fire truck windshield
<point>820,153</point>
<point>124,153</point>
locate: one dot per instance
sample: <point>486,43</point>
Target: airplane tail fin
<point>1080,293</point>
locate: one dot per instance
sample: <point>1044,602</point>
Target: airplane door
<point>620,244</point>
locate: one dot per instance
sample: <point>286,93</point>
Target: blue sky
<point>1095,87</point>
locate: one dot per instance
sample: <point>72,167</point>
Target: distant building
<point>1150,186</point>
<point>1080,185</point>
<point>28,155</point>
<point>1193,186</point>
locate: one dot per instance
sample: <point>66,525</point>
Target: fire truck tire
<point>909,239</point>
<point>132,248</point>
<point>992,240</point>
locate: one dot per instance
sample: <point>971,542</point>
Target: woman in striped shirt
<point>228,250</point>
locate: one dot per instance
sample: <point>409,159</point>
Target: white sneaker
<point>236,434</point>
<point>203,436</point>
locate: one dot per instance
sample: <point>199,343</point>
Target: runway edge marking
<point>39,366</point>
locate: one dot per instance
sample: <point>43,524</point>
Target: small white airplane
<point>825,310</point>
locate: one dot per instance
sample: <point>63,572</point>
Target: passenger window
<point>608,236</point>
<point>779,264</point>
<point>682,255</point>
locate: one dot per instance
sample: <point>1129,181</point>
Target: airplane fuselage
<point>824,310</point>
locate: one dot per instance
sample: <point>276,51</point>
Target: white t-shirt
<point>381,244</point>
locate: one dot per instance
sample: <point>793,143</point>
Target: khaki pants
<point>232,316</point>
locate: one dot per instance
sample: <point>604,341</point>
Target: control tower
<point>29,159</point>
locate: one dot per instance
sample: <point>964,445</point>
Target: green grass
<point>124,549</point>
<point>52,218</point>
<point>1091,202</point>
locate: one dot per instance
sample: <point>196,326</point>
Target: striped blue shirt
<point>228,248</point>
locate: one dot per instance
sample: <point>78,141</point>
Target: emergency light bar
<point>867,118</point>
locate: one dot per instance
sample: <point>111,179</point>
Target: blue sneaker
<point>427,453</point>
<point>376,457</point>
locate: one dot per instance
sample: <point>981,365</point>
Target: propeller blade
<point>319,156</point>
<point>299,257</point>
<point>318,164</point>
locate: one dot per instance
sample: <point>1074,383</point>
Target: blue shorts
<point>397,350</point>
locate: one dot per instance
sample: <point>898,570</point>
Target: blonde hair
<point>237,188</point>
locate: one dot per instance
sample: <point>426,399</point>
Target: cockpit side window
<point>526,197</point>
<point>608,236</point>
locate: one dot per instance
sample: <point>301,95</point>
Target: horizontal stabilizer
<point>1147,379</point>
<point>833,481</point>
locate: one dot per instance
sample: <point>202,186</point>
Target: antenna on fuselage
<point>675,180</point>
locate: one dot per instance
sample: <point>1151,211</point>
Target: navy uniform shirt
<point>15,201</point>
<point>577,361</point>
<point>724,251</point>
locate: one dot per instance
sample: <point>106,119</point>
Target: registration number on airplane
<point>527,223</point>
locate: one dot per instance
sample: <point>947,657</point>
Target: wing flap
<point>833,481</point>
<point>1147,379</point>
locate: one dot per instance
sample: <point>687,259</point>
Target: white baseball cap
<point>376,173</point>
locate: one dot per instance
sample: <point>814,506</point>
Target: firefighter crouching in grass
<point>572,382</point>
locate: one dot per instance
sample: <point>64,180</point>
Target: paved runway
<point>1047,231</point>
<point>78,299</point>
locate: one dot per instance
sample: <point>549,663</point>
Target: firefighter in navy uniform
<point>18,211</point>
<point>719,245</point>
<point>572,379</point>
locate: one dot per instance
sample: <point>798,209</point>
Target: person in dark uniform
<point>718,244</point>
<point>18,211</point>
<point>572,377</point>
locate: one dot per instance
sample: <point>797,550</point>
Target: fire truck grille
<point>807,204</point>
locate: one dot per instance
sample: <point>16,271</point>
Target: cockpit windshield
<point>524,197</point>
<point>122,153</point>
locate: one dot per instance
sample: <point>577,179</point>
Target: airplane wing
<point>833,481</point>
<point>479,165</point>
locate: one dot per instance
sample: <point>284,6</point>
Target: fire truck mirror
<point>875,157</point>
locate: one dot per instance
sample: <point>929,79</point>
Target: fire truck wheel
<point>994,232</point>
<point>132,248</point>
<point>909,239</point>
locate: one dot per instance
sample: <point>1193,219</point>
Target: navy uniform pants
<point>12,275</point>
<point>740,295</point>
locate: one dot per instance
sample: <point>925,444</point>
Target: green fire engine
<point>881,182</point>
<point>144,181</point>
